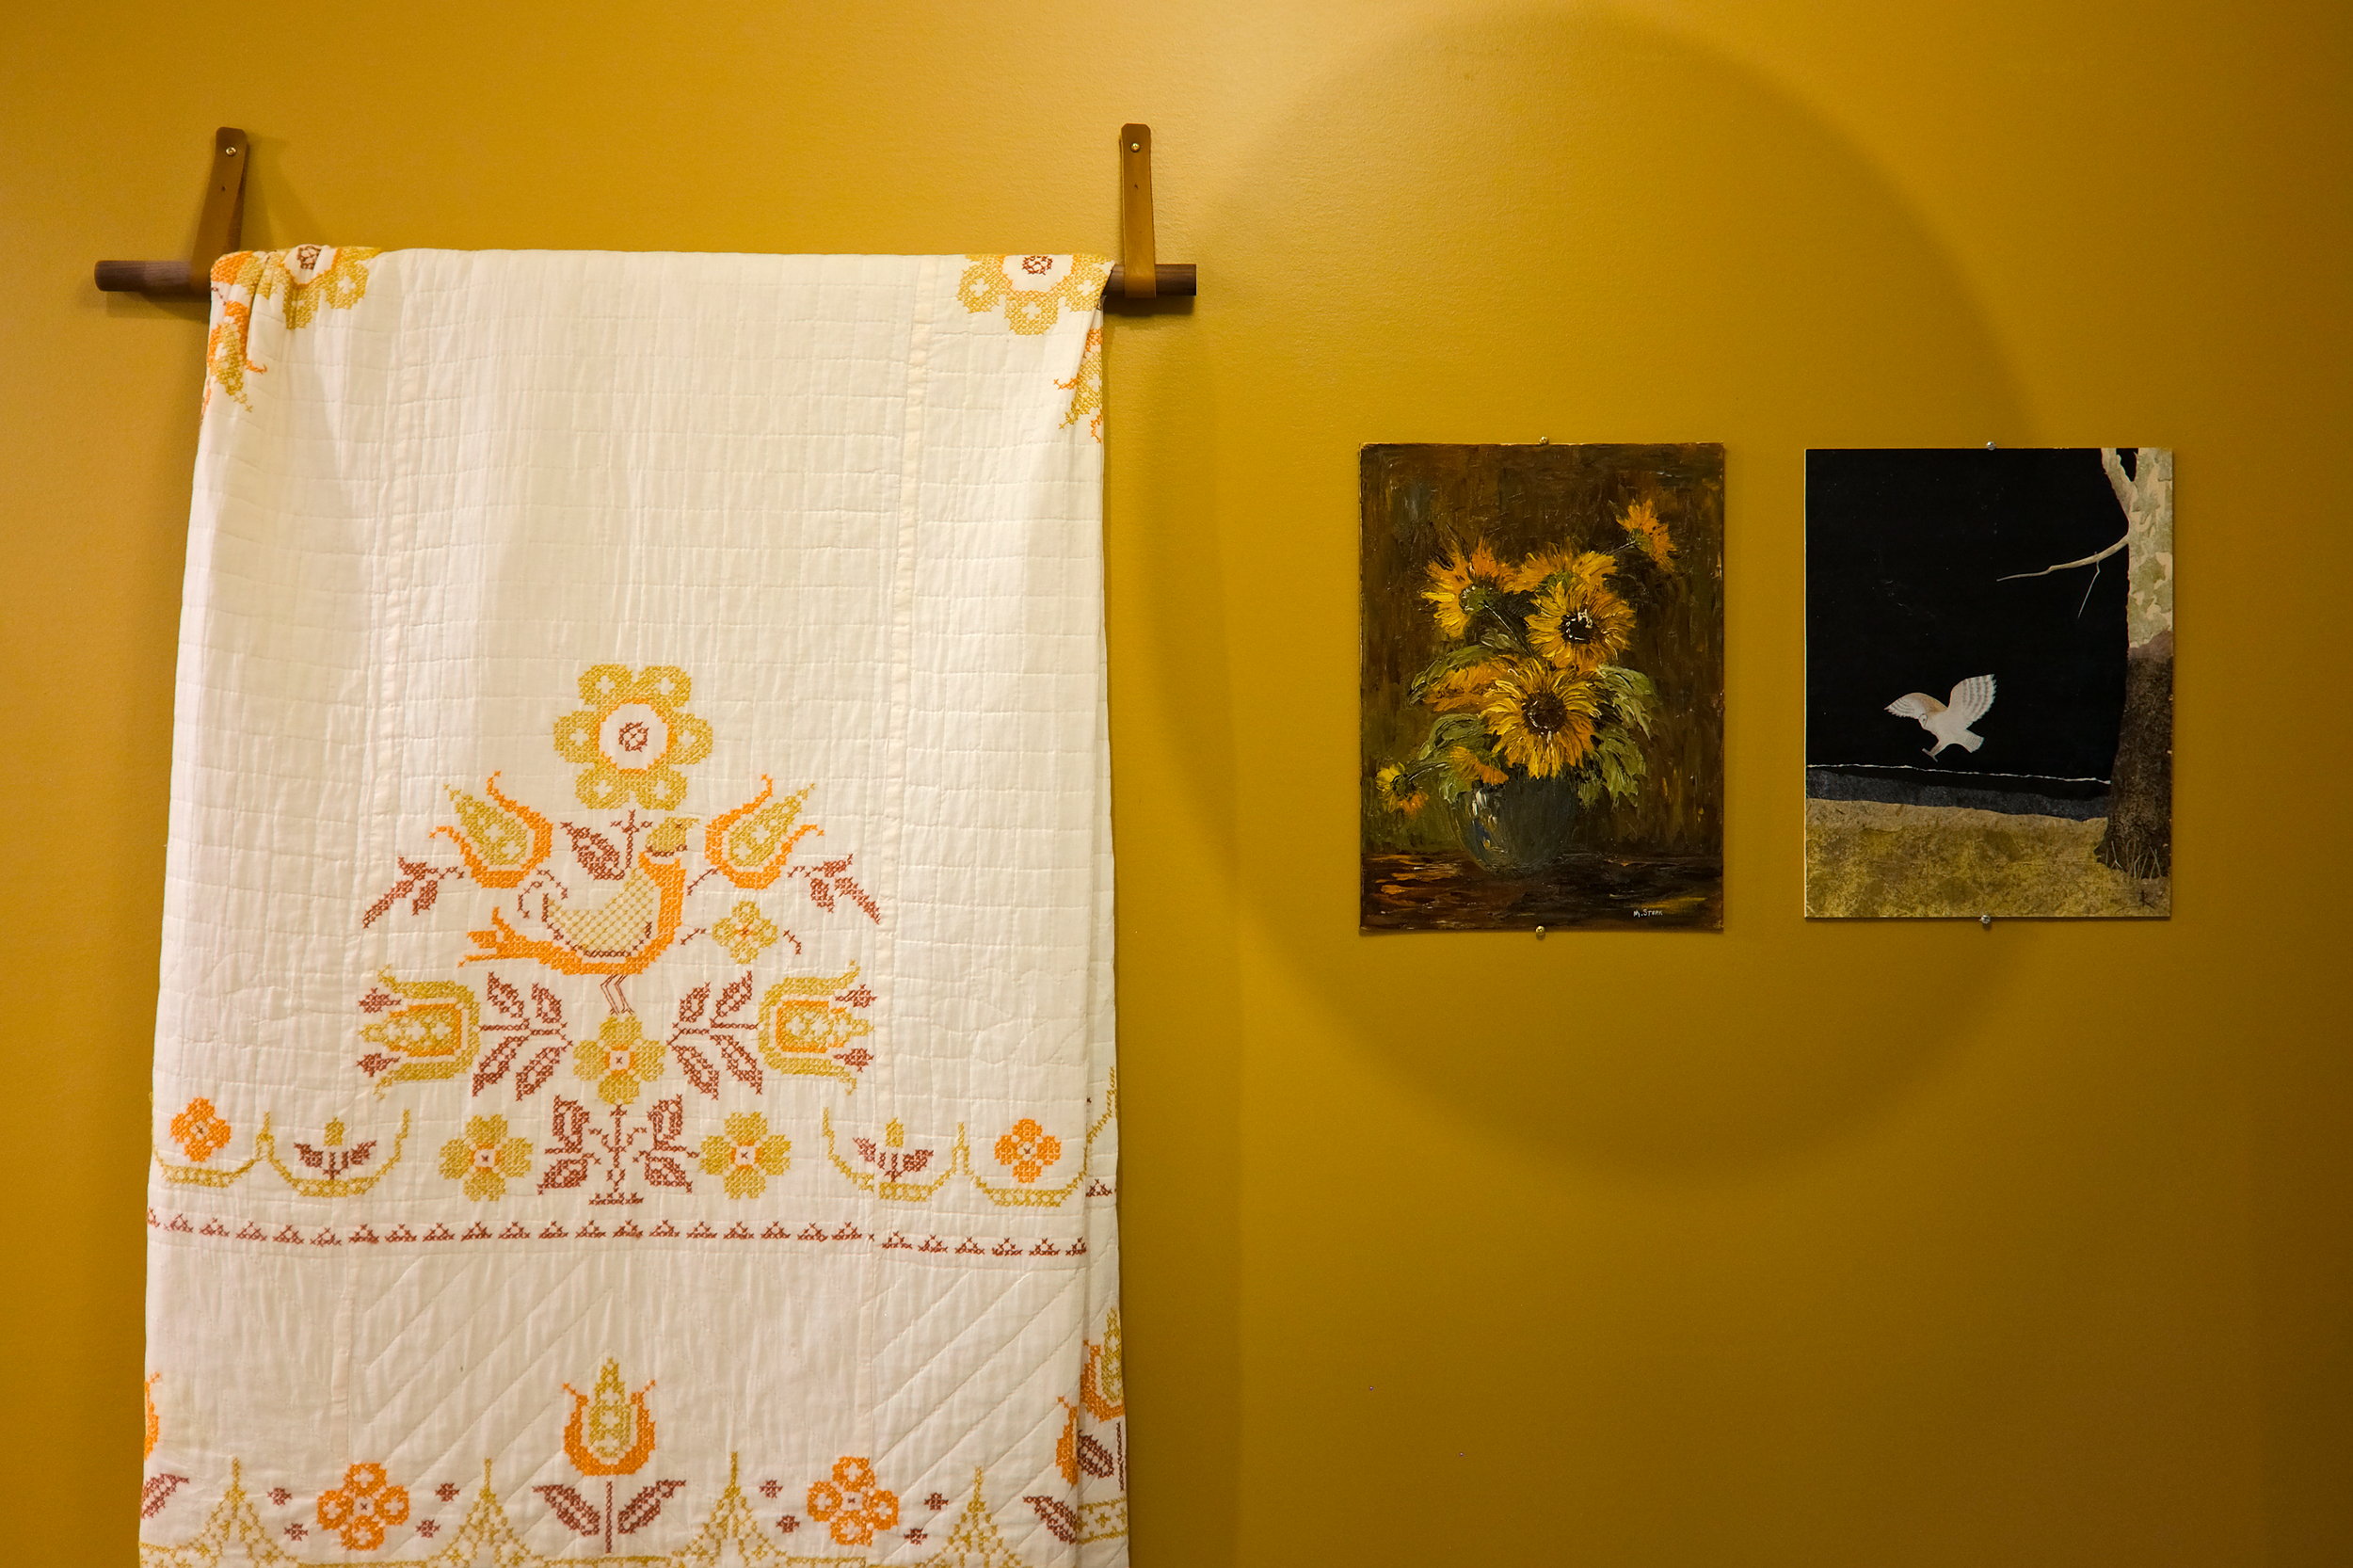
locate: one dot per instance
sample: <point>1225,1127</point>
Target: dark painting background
<point>1904,552</point>
<point>1421,501</point>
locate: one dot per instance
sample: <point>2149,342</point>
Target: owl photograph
<point>1989,682</point>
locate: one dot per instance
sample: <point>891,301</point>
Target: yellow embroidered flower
<point>1027,1150</point>
<point>1578,623</point>
<point>1542,717</point>
<point>308,275</point>
<point>200,1130</point>
<point>745,933</point>
<point>485,1157</point>
<point>1033,291</point>
<point>500,843</point>
<point>747,1156</point>
<point>1458,587</point>
<point>619,1060</point>
<point>1085,387</point>
<point>1641,524</point>
<point>750,844</point>
<point>434,1036</point>
<point>1471,768</point>
<point>853,1504</point>
<point>610,1431</point>
<point>154,1422</point>
<point>1397,792</point>
<point>361,1508</point>
<point>633,737</point>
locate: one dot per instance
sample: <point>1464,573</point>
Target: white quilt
<point>634,1075</point>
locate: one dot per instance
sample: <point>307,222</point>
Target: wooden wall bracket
<point>216,230</point>
<point>1137,275</point>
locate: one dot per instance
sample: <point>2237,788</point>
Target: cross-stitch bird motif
<point>616,938</point>
<point>1949,720</point>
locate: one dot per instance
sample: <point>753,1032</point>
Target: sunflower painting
<point>1543,685</point>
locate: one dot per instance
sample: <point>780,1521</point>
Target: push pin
<point>1543,440</point>
<point>1989,447</point>
<point>1540,934</point>
<point>1985,923</point>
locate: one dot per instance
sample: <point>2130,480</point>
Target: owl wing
<point>1915,705</point>
<point>1970,699</point>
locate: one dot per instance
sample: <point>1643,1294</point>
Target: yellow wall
<point>1830,1244</point>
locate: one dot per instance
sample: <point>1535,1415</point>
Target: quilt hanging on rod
<point>634,1073</point>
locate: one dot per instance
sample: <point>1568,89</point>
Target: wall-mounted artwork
<point>1542,687</point>
<point>1989,682</point>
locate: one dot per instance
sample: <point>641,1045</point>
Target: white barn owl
<point>1949,720</point>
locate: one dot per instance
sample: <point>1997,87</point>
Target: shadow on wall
<point>1589,227</point>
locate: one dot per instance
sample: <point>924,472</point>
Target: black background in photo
<point>1904,553</point>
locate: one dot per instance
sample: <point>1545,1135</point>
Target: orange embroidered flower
<point>620,1061</point>
<point>501,841</point>
<point>1028,1149</point>
<point>633,737</point>
<point>200,1130</point>
<point>747,1156</point>
<point>154,1422</point>
<point>484,1159</point>
<point>361,1508</point>
<point>750,844</point>
<point>744,933</point>
<point>610,1431</point>
<point>853,1504</point>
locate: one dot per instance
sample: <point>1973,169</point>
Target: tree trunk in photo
<point>2139,837</point>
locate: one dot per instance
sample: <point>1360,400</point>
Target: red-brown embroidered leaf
<point>859,896</point>
<point>698,1070</point>
<point>737,992</point>
<point>597,854</point>
<point>576,1511</point>
<point>505,998</point>
<point>377,1000</point>
<point>537,1070</point>
<point>374,1063</point>
<point>427,894</point>
<point>645,1508</point>
<point>835,868</point>
<point>742,1064</point>
<point>858,996</point>
<point>567,1171</point>
<point>1095,1459</point>
<point>822,892</point>
<point>547,1004</point>
<point>158,1492</point>
<point>495,1062</point>
<point>690,1006</point>
<point>1056,1516</point>
<point>663,1171</point>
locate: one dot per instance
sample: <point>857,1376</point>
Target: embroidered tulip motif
<point>611,1431</point>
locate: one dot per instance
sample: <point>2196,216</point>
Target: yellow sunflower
<point>1578,623</point>
<point>1397,792</point>
<point>633,737</point>
<point>1642,525</point>
<point>1542,717</point>
<point>1453,580</point>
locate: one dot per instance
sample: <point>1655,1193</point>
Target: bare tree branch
<point>2067,566</point>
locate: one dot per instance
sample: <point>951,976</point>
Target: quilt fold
<point>634,1073</point>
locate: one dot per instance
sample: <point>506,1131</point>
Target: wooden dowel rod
<point>1180,277</point>
<point>165,277</point>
